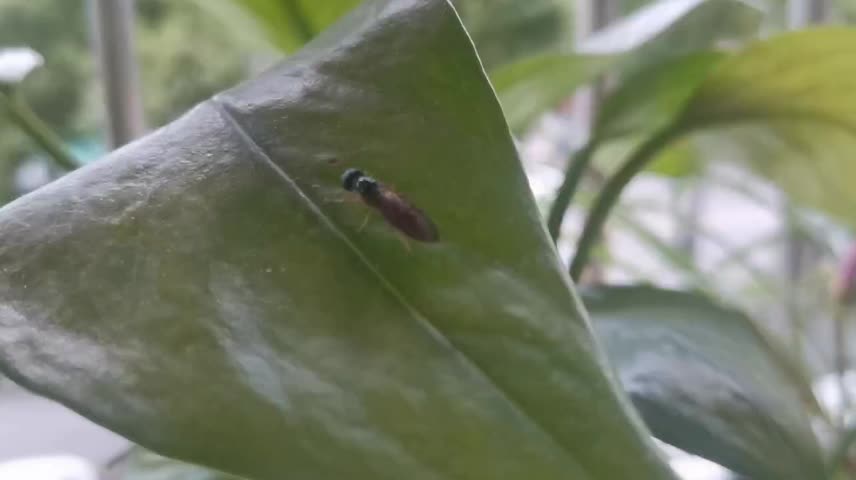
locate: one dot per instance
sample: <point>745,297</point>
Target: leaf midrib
<point>257,151</point>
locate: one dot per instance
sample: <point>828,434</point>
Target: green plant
<point>215,301</point>
<point>278,339</point>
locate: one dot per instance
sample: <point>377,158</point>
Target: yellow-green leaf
<point>786,107</point>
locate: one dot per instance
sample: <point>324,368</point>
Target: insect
<point>396,210</point>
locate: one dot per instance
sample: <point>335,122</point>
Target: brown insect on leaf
<point>394,208</point>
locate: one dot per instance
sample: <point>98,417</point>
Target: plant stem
<point>839,331</point>
<point>611,191</point>
<point>299,22</point>
<point>577,165</point>
<point>26,119</point>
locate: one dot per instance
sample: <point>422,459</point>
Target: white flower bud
<point>16,63</point>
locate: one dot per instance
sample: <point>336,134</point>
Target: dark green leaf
<point>206,293</point>
<point>706,382</point>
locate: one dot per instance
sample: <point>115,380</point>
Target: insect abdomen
<point>408,219</point>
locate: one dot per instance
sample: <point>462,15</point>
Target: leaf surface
<point>208,293</point>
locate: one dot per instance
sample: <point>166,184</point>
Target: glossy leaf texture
<point>705,381</point>
<point>209,293</point>
<point>784,106</point>
<point>651,36</point>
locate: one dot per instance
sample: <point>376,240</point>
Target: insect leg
<point>365,222</point>
<point>404,242</point>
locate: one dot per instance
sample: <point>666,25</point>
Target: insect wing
<point>407,218</point>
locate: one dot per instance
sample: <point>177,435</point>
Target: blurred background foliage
<point>184,58</point>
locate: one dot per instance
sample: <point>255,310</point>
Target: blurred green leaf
<point>651,36</point>
<point>785,107</point>
<point>791,89</point>
<point>206,293</point>
<point>680,160</point>
<point>287,24</point>
<point>649,99</point>
<point>532,86</point>
<point>797,76</point>
<point>503,30</point>
<point>675,28</point>
<point>705,381</point>
<point>507,30</point>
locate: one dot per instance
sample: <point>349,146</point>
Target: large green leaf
<point>654,34</point>
<point>204,292</point>
<point>705,381</point>
<point>786,108</point>
<point>797,76</point>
